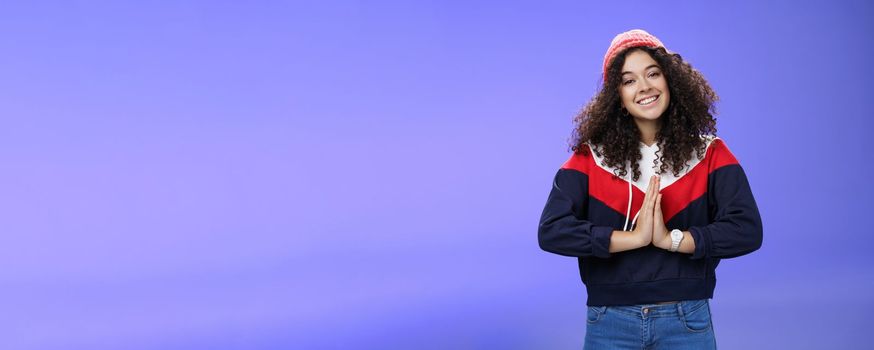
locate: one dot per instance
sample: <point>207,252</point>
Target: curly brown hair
<point>690,114</point>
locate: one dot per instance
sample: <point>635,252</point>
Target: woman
<point>646,144</point>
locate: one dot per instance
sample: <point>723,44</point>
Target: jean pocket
<point>594,313</point>
<point>696,315</point>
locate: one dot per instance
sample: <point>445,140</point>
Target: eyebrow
<point>645,69</point>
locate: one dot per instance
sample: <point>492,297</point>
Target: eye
<point>655,74</point>
<point>627,82</point>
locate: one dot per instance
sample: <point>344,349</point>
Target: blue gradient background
<point>369,175</point>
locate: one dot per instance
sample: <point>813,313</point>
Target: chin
<point>649,116</point>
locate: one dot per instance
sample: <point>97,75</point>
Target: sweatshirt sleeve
<point>563,228</point>
<point>736,228</point>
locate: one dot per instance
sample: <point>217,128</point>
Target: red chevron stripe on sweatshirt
<point>613,191</point>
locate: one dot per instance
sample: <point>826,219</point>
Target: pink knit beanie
<point>631,38</point>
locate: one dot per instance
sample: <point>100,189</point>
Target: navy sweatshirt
<point>711,198</point>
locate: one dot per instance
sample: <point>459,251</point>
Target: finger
<point>649,187</point>
<point>652,190</point>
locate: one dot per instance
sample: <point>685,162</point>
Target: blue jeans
<point>676,326</point>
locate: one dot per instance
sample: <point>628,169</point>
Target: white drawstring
<point>625,226</point>
<point>628,211</point>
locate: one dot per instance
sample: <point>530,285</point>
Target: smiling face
<point>643,88</point>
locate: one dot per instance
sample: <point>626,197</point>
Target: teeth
<point>648,101</point>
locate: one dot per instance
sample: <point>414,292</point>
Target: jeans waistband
<point>657,310</point>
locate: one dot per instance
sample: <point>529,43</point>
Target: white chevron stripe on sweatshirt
<point>648,166</point>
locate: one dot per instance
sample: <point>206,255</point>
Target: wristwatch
<point>676,237</point>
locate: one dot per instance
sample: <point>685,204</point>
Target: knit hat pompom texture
<point>631,38</point>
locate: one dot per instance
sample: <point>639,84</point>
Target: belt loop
<point>680,309</point>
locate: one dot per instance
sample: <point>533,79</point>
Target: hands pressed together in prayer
<point>650,225</point>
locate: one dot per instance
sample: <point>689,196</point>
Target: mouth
<point>648,100</point>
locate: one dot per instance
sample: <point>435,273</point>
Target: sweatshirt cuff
<point>701,243</point>
<point>601,241</point>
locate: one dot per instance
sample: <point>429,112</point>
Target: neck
<point>648,130</point>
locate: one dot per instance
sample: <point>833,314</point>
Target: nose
<point>644,85</point>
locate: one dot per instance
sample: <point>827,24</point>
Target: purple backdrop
<point>370,175</point>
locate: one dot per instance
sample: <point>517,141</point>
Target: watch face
<point>676,234</point>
